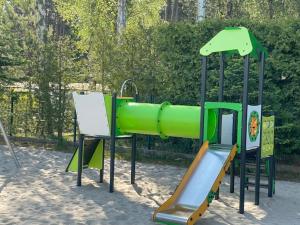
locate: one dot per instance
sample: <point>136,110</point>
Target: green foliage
<point>107,54</point>
<point>10,49</point>
<point>164,60</point>
<point>186,10</point>
<point>168,66</point>
<point>253,9</point>
<point>48,56</point>
<point>76,41</point>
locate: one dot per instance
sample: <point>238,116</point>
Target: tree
<point>121,19</point>
<point>201,9</point>
<point>48,66</point>
<point>10,49</point>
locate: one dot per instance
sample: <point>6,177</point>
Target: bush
<point>169,68</point>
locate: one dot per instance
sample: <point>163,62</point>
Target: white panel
<point>91,114</point>
<point>227,129</point>
<point>253,141</point>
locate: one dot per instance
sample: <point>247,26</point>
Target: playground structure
<point>225,130</point>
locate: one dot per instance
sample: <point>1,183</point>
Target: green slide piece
<point>96,160</point>
<point>92,156</point>
<point>231,106</point>
<point>72,167</point>
<point>267,142</point>
<point>234,40</point>
<point>224,105</point>
<point>108,104</point>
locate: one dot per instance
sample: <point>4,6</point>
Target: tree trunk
<point>271,9</point>
<point>169,10</point>
<point>121,19</point>
<point>229,9</point>
<point>41,20</point>
<point>201,9</point>
<point>174,16</point>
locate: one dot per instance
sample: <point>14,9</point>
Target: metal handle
<point>123,87</point>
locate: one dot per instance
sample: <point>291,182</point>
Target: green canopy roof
<point>233,40</point>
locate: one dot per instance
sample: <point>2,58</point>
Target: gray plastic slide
<point>198,186</point>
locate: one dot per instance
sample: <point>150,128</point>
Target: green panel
<point>89,148</point>
<point>163,119</point>
<point>72,167</point>
<point>234,40</point>
<point>96,161</point>
<point>205,135</point>
<point>210,117</point>
<point>224,105</point>
<point>267,142</point>
<point>108,104</point>
<point>231,106</point>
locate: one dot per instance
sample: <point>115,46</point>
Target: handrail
<point>124,86</point>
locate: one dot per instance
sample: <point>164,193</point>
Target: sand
<point>43,193</point>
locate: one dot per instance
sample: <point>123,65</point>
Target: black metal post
<point>202,96</point>
<point>75,124</point>
<point>133,158</point>
<point>11,114</point>
<point>244,135</point>
<point>133,152</point>
<point>113,142</point>
<point>274,173</point>
<point>260,102</point>
<point>221,95</point>
<point>103,155</point>
<point>220,99</point>
<point>74,128</point>
<point>234,138</point>
<point>217,195</point>
<point>149,140</point>
<point>232,174</point>
<point>270,178</point>
<point>80,153</point>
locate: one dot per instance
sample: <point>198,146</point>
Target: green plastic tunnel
<point>164,119</point>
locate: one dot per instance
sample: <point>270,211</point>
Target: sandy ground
<point>42,193</point>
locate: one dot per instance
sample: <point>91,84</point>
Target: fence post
<point>11,121</point>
